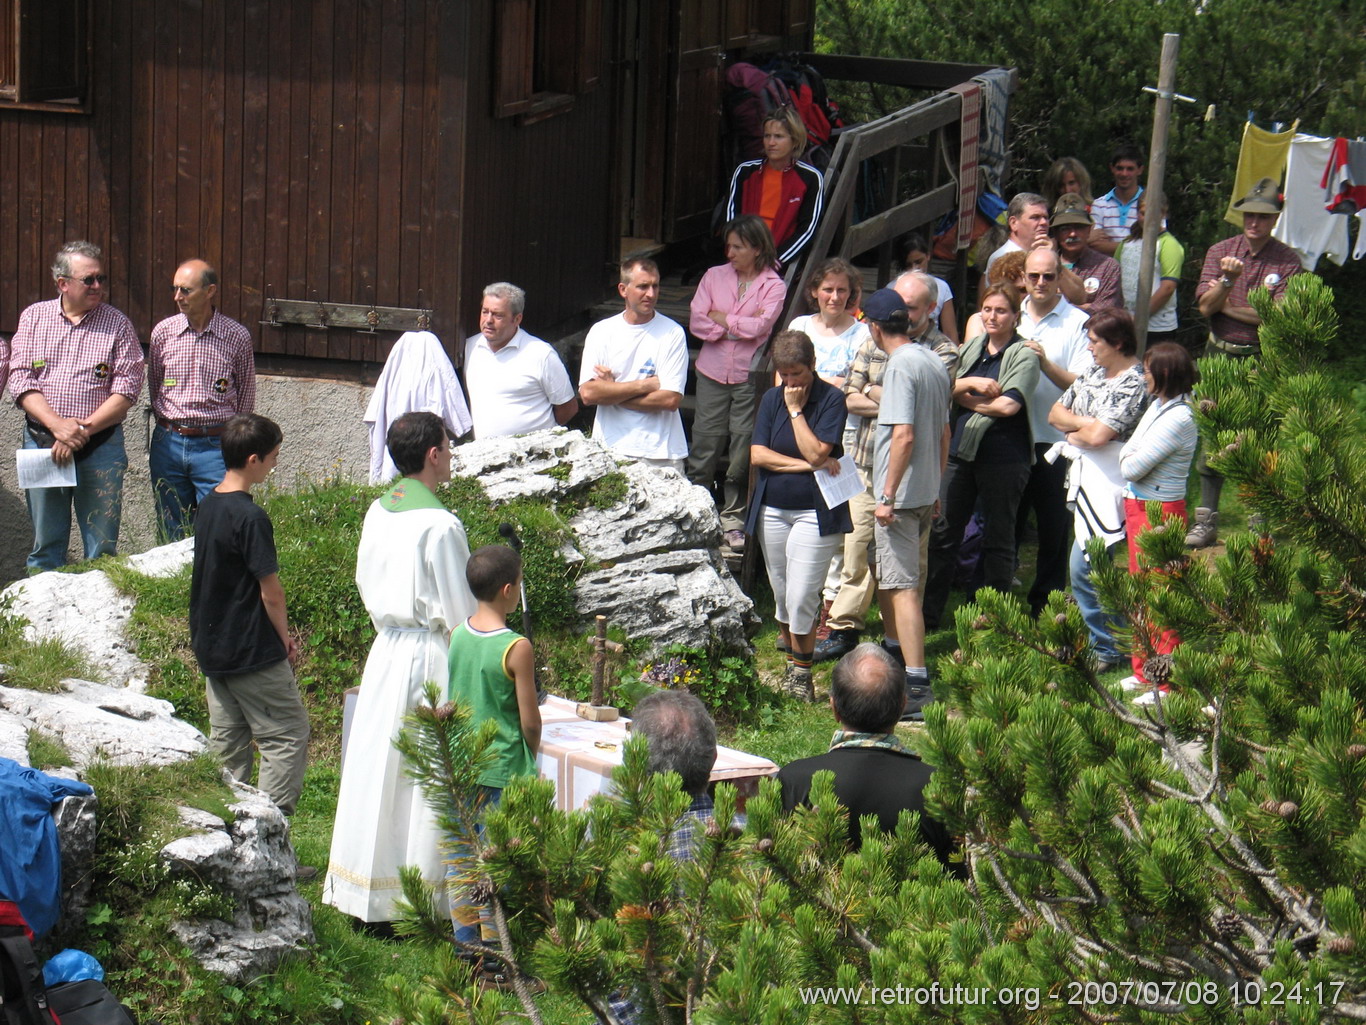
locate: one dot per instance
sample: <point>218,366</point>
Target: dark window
<point>548,51</point>
<point>45,53</point>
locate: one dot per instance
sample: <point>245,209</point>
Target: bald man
<point>200,374</point>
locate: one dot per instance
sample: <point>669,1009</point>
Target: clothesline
<point>1324,185</point>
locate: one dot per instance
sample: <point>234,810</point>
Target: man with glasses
<point>75,370</point>
<point>200,374</point>
<point>1089,280</point>
<point>1056,331</point>
<point>1027,222</point>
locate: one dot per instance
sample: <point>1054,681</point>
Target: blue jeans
<point>471,921</point>
<point>1098,623</point>
<point>183,471</point>
<point>97,498</point>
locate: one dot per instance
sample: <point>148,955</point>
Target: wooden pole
<point>1157,172</point>
<point>600,660</point>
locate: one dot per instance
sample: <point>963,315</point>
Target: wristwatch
<point>794,414</point>
<point>867,388</point>
<point>885,500</point>
<point>1226,281</point>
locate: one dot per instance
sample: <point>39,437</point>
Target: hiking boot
<point>823,624</point>
<point>837,645</point>
<point>918,695</point>
<point>797,683</point>
<point>1205,531</point>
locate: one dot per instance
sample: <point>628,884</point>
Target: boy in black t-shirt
<point>237,621</point>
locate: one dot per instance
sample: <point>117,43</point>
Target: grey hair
<point>1023,201</point>
<point>868,689</point>
<point>61,263</point>
<point>209,276</point>
<point>515,297</point>
<point>682,736</point>
<point>926,282</point>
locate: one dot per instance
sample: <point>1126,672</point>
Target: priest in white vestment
<point>410,570</point>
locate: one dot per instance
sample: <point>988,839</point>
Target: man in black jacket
<point>874,773</point>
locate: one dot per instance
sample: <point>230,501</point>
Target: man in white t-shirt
<point>634,369</point>
<point>1056,331</point>
<point>516,382</point>
<point>1027,222</point>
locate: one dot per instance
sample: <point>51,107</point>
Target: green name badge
<point>38,364</point>
<point>170,382</point>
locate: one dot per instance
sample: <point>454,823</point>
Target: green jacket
<point>1019,370</point>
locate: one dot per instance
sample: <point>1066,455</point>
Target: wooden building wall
<point>312,149</point>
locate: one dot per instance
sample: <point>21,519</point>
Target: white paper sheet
<point>37,470</point>
<point>838,489</point>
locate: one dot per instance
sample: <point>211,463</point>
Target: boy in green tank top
<point>491,673</point>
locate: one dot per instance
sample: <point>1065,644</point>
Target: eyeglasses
<point>1037,276</point>
<point>182,290</point>
<point>89,280</point>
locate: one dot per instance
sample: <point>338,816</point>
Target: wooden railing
<point>922,136</point>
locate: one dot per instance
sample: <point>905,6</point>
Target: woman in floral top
<point>1097,414</point>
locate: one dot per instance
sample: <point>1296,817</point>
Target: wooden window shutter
<point>53,52</point>
<point>515,46</point>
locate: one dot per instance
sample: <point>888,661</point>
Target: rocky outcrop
<point>250,861</point>
<point>93,721</point>
<point>650,559</point>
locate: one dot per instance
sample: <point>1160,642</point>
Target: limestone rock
<point>655,570</point>
<point>166,561</point>
<point>251,861</point>
<point>97,721</point>
<point>521,466</point>
<point>76,821</point>
<point>86,612</point>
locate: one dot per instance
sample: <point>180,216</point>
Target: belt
<point>1233,348</point>
<point>191,430</point>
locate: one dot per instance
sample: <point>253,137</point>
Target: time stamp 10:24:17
<point>1193,991</point>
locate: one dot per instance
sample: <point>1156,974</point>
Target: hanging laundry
<point>1305,225</point>
<point>1345,179</point>
<point>1263,155</point>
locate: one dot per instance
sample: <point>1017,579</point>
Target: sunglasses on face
<point>1038,276</point>
<point>89,280</point>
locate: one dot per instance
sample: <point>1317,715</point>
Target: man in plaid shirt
<point>76,369</point>
<point>200,373</point>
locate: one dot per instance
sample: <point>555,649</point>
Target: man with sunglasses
<point>200,374</point>
<point>1056,331</point>
<point>75,370</point>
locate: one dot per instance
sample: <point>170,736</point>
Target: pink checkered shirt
<point>76,367</point>
<point>201,378</point>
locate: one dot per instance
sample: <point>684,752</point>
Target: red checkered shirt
<point>76,367</point>
<point>201,378</point>
<point>1276,261</point>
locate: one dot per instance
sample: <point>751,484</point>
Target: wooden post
<point>595,710</point>
<point>1157,171</point>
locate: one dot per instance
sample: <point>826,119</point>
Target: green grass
<point>35,665</point>
<point>46,751</point>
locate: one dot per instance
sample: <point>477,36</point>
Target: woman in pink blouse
<point>733,313</point>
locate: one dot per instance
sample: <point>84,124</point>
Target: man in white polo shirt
<point>1056,331</point>
<point>634,368</point>
<point>517,383</point>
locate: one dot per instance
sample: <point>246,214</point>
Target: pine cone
<point>1341,945</point>
<point>1060,618</point>
<point>713,828</point>
<point>1288,810</point>
<point>1157,669</point>
<point>1271,807</point>
<point>1208,406</point>
<point>1229,925</point>
<point>765,845</point>
<point>1020,930</point>
<point>981,623</point>
<point>647,868</point>
<point>1356,751</point>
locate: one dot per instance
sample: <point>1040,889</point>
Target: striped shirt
<point>201,378</point>
<point>1156,460</point>
<point>75,367</point>
<point>1115,216</point>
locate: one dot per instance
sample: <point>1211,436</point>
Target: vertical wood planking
<point>234,158</point>
<point>318,174</point>
<point>186,55</point>
<point>205,236</point>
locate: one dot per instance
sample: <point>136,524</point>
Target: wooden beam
<point>910,74</point>
<point>909,124</point>
<point>868,234</point>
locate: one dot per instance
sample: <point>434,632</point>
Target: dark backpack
<point>23,998</point>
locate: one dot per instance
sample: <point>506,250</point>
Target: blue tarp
<point>30,862</point>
